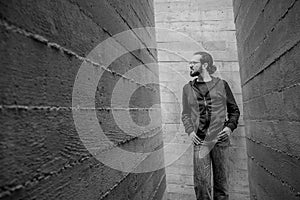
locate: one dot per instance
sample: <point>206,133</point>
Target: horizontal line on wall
<point>272,148</point>
<point>287,49</point>
<point>279,90</point>
<point>284,183</point>
<point>200,21</point>
<point>56,108</point>
<point>10,27</point>
<point>272,120</point>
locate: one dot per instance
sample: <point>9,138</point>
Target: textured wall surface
<point>42,47</point>
<point>268,36</point>
<point>208,25</point>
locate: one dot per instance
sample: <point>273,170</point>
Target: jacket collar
<point>215,81</point>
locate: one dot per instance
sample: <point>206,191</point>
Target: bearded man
<point>210,114</point>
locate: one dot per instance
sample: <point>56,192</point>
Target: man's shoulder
<point>187,85</point>
<point>216,79</point>
<point>219,80</point>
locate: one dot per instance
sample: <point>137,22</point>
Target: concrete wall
<point>42,47</point>
<point>209,26</point>
<point>268,35</point>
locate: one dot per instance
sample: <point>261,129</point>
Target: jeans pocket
<point>224,141</point>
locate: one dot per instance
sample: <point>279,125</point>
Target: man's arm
<point>186,114</point>
<point>233,112</point>
<point>187,121</point>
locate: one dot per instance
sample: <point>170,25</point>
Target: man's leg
<point>202,175</point>
<point>220,165</point>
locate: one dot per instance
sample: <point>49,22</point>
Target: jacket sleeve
<point>186,114</point>
<point>233,112</point>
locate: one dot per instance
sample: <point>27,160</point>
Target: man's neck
<point>205,77</point>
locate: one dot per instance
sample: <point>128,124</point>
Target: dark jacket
<point>208,114</point>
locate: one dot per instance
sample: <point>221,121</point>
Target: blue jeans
<point>217,159</point>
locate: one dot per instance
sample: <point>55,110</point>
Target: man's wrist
<point>230,126</point>
<point>189,131</point>
<point>227,130</point>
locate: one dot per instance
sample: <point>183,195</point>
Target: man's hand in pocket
<point>226,132</point>
<point>195,138</point>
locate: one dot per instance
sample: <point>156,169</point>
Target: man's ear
<point>205,65</point>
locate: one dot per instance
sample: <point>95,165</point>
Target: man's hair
<point>207,58</point>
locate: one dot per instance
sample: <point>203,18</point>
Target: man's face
<point>195,66</point>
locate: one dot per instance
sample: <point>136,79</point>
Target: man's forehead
<point>196,58</point>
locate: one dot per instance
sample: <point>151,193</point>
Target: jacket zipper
<point>205,104</point>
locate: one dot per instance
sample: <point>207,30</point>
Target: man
<point>209,115</point>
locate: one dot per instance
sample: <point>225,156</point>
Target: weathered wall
<point>268,35</point>
<point>42,156</point>
<point>209,24</point>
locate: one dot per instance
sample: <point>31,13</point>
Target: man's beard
<point>196,73</point>
<point>193,74</point>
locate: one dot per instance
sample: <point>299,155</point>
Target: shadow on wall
<point>63,95</point>
<point>268,46</point>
